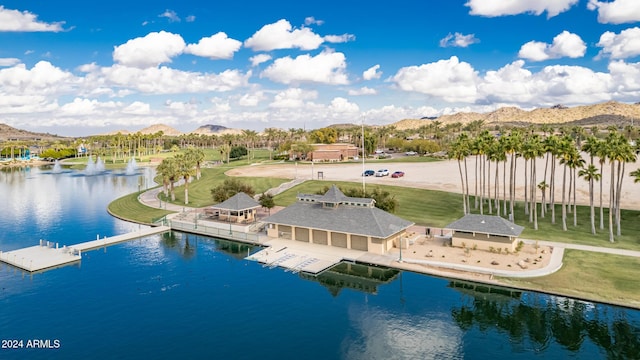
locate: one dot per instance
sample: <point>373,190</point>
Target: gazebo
<point>239,209</point>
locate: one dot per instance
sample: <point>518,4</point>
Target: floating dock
<point>302,257</point>
<point>48,255</point>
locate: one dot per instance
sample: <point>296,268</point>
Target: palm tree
<point>635,175</point>
<point>460,151</point>
<point>168,169</point>
<point>512,147</point>
<point>185,166</point>
<point>197,155</point>
<point>591,174</point>
<point>575,162</point>
<point>566,149</point>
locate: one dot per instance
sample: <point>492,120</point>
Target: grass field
<point>592,276</point>
<point>129,208</point>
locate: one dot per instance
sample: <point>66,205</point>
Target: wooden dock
<point>49,255</point>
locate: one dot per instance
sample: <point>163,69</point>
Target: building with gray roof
<point>335,219</point>
<point>240,208</point>
<point>484,232</point>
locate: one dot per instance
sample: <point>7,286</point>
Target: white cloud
<point>372,73</point>
<point>293,98</point>
<point>450,80</point>
<point>217,46</point>
<point>16,21</point>
<point>165,80</point>
<point>42,79</point>
<point>9,61</point>
<point>137,108</point>
<point>252,99</point>
<point>312,21</point>
<point>362,91</point>
<point>564,44</point>
<point>620,46</point>
<point>617,11</point>
<point>190,18</point>
<point>171,15</point>
<point>493,8</point>
<point>342,105</point>
<point>625,80</point>
<point>458,40</point>
<point>259,59</point>
<point>453,81</point>
<point>339,38</point>
<point>280,35</point>
<point>151,50</point>
<point>326,68</point>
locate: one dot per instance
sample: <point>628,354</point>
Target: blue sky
<point>75,69</point>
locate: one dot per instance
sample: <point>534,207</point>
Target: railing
<point>215,231</point>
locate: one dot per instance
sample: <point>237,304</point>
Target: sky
<point>76,68</point>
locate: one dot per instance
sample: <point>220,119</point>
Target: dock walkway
<point>49,255</point>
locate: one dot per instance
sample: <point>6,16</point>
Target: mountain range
<point>603,114</point>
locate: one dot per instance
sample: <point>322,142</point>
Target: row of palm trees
<point>182,166</point>
<point>556,149</point>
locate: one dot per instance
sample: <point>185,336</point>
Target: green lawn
<point>592,276</point>
<point>200,190</point>
<point>129,208</point>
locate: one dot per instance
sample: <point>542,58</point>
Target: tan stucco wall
<point>483,241</point>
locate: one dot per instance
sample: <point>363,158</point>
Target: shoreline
<point>426,168</point>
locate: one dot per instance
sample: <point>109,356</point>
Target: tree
<point>169,168</point>
<point>185,165</point>
<point>238,152</point>
<point>230,187</point>
<point>591,174</point>
<point>324,136</point>
<point>197,156</point>
<point>459,150</point>
<point>266,201</point>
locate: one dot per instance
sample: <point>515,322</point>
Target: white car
<point>382,172</point>
<point>410,153</point>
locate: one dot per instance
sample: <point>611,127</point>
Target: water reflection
<point>540,320</point>
<point>353,276</point>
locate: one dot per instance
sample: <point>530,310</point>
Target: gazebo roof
<point>486,224</point>
<point>239,201</point>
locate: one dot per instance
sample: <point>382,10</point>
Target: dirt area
<point>439,249</point>
<point>440,175</point>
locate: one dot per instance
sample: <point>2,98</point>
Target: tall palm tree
<point>185,165</point>
<point>512,147</point>
<point>575,163</point>
<point>197,155</point>
<point>591,174</point>
<point>460,151</point>
<point>169,168</point>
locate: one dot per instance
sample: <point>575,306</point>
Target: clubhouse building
<point>334,219</point>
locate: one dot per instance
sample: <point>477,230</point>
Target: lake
<point>192,297</point>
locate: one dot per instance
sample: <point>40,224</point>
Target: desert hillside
<point>602,114</point>
<point>10,133</point>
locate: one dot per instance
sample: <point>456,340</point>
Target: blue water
<point>191,297</point>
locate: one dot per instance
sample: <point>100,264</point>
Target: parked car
<point>382,172</point>
<point>397,174</point>
<point>368,173</point>
<point>411,153</point>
